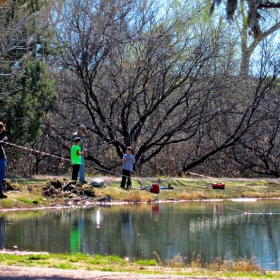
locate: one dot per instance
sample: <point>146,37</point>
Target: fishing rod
<point>105,143</point>
<point>199,175</point>
<point>216,185</point>
<point>63,158</point>
<point>139,182</point>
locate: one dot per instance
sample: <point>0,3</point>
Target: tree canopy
<point>256,12</point>
<point>27,91</point>
<point>188,92</point>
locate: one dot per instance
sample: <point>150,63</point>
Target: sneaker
<point>3,195</point>
<point>83,182</point>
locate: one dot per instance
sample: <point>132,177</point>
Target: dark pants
<point>2,173</point>
<point>126,178</point>
<point>75,171</point>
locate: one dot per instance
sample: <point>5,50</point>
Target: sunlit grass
<point>28,200</point>
<point>178,265</point>
<point>146,262</point>
<point>29,191</point>
<point>27,180</point>
<point>38,257</point>
<point>189,190</point>
<point>64,266</point>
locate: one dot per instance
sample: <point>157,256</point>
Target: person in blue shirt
<point>3,158</point>
<point>128,161</point>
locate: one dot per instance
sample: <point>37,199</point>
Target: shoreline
<point>48,192</point>
<point>132,203</point>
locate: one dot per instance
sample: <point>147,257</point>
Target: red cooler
<point>218,186</point>
<point>154,188</point>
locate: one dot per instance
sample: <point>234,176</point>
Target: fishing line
<point>247,213</point>
<point>97,146</point>
<point>67,159</point>
<point>119,174</point>
<point>62,158</point>
<point>234,209</point>
<point>199,175</point>
<point>239,211</point>
<point>262,213</point>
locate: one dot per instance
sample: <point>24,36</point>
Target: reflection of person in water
<point>127,231</point>
<point>75,239</point>
<point>218,208</point>
<point>155,210</point>
<point>98,218</point>
<point>2,233</point>
<point>77,233</point>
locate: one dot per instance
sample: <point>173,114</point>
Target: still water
<point>231,230</point>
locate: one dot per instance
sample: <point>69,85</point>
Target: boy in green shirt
<point>76,158</point>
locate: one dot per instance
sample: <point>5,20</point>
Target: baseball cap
<point>82,127</point>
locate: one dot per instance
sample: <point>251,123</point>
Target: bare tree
<point>256,12</point>
<point>258,152</point>
<point>129,71</point>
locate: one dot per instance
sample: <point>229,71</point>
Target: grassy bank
<point>177,266</point>
<point>29,192</point>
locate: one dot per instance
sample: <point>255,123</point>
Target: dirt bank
<point>33,273</point>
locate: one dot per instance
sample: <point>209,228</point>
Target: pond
<point>227,229</point>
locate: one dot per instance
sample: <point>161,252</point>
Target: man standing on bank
<point>3,158</point>
<point>128,160</point>
<point>81,133</point>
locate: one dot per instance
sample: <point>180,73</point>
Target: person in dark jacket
<point>3,158</point>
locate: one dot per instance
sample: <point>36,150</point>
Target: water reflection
<point>143,231</point>
<point>2,233</point>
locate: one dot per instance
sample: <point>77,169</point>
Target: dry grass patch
<point>243,265</point>
<point>220,264</point>
<point>254,194</point>
<point>139,196</point>
<point>192,195</point>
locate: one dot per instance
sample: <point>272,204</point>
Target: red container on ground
<point>218,186</point>
<point>154,188</point>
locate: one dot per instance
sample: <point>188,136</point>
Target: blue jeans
<point>2,172</point>
<point>82,171</point>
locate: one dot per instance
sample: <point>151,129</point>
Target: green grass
<point>6,204</point>
<point>106,269</point>
<point>64,266</point>
<point>27,180</point>
<point>146,262</point>
<point>28,200</point>
<point>191,189</point>
<point>38,257</point>
<point>176,266</point>
<point>29,192</point>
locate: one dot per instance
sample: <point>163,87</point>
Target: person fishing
<point>76,158</point>
<point>3,158</point>
<point>81,134</point>
<point>128,161</point>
